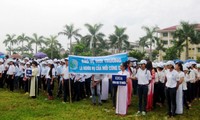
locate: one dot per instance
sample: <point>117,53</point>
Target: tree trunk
<point>51,52</point>
<point>186,50</point>
<point>150,54</point>
<point>70,49</point>
<point>10,49</point>
<point>35,48</point>
<point>22,48</point>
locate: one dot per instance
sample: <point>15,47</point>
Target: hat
<point>143,62</point>
<point>62,60</point>
<point>11,60</point>
<point>26,58</point>
<point>188,65</point>
<point>55,60</point>
<point>50,62</point>
<point>22,62</point>
<point>185,67</point>
<point>1,60</point>
<point>154,65</point>
<point>66,59</point>
<point>193,63</point>
<point>198,65</point>
<point>170,63</point>
<point>28,63</point>
<point>160,65</point>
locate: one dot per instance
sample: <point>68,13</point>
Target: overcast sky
<point>47,17</point>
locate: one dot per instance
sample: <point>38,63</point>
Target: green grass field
<point>17,106</point>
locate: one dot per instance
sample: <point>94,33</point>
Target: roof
<point>173,28</point>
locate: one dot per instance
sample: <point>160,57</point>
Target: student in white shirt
<point>60,78</point>
<point>50,75</point>
<point>185,90</point>
<point>44,69</point>
<point>172,83</point>
<point>11,74</point>
<point>95,84</point>
<point>1,73</point>
<point>65,81</point>
<point>144,77</point>
<point>27,77</point>
<point>161,85</point>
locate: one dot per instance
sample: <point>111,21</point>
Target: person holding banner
<point>122,92</point>
<point>144,78</point>
<point>95,84</point>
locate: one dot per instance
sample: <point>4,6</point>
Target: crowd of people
<point>155,84</point>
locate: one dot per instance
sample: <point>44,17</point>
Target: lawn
<point>17,106</point>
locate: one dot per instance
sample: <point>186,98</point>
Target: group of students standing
<point>177,83</point>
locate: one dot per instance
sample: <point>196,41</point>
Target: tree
<point>143,43</point>
<point>82,50</point>
<point>21,39</point>
<point>71,32</point>
<point>10,40</point>
<point>171,53</point>
<point>137,54</point>
<point>150,32</point>
<point>53,44</point>
<point>119,39</point>
<point>94,36</point>
<point>186,33</point>
<point>37,40</point>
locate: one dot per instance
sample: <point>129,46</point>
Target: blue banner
<point>99,65</point>
<point>119,80</point>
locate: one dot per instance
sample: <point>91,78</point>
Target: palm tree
<point>186,33</point>
<point>21,39</point>
<point>53,43</point>
<point>10,40</point>
<point>37,40</point>
<point>119,39</point>
<point>71,32</point>
<point>94,36</point>
<point>143,42</point>
<point>150,36</point>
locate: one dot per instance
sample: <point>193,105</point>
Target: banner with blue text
<point>98,65</point>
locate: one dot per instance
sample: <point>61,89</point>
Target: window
<point>165,34</point>
<point>192,48</point>
<point>165,42</point>
<point>189,48</point>
<point>198,49</point>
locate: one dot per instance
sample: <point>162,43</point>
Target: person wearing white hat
<point>172,83</point>
<point>66,81</point>
<point>185,90</point>
<point>50,75</point>
<point>11,74</point>
<point>161,84</point>
<point>22,69</point>
<point>194,83</point>
<point>59,74</point>
<point>144,78</point>
<point>1,73</point>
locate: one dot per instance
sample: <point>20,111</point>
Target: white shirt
<point>126,73</point>
<point>172,78</point>
<point>47,74</point>
<point>11,70</point>
<point>192,76</point>
<point>44,70</point>
<point>186,77</point>
<point>98,77</point>
<point>143,76</point>
<point>2,68</point>
<point>161,76</point>
<point>65,72</point>
<point>39,70</point>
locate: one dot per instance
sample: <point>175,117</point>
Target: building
<point>166,35</point>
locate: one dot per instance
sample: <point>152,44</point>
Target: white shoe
<point>143,113</point>
<point>138,113</point>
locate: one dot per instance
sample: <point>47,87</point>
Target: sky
<point>48,17</point>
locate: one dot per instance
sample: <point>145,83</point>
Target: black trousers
<point>1,82</point>
<point>114,95</point>
<point>135,84</point>
<point>185,99</point>
<point>193,85</point>
<point>161,92</point>
<point>66,89</point>
<point>11,82</point>
<point>21,84</point>
<point>171,100</point>
<point>44,83</point>
<point>77,94</point>
<point>198,88</point>
<point>189,96</point>
<point>156,94</point>
<point>82,89</point>
<point>142,94</point>
<point>87,87</point>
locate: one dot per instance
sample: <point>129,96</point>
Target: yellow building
<point>166,35</point>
